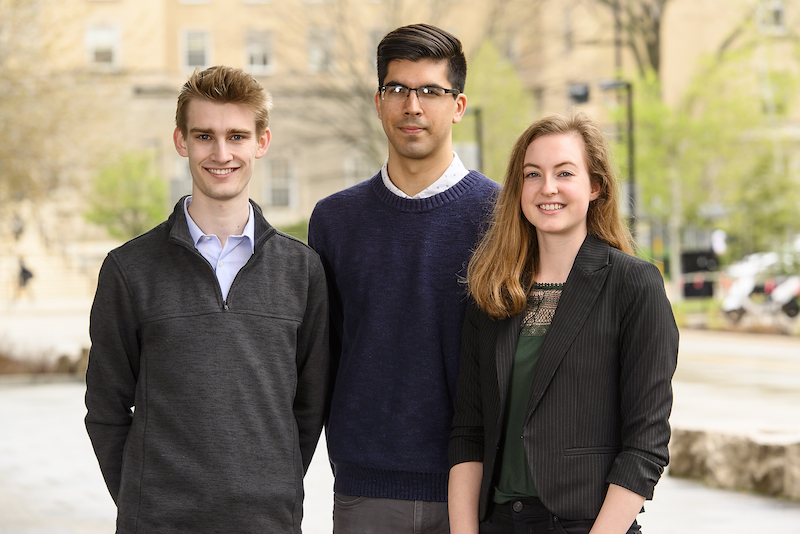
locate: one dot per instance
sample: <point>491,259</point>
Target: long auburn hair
<point>504,266</point>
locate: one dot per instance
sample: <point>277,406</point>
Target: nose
<point>549,186</point>
<point>221,152</point>
<point>412,105</point>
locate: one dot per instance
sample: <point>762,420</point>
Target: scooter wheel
<point>734,315</point>
<point>791,308</point>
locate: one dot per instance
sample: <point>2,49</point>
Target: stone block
<point>736,462</point>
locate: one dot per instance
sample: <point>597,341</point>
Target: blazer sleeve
<point>648,357</point>
<point>467,437</point>
<point>112,371</point>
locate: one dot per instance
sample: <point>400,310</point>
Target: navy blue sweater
<point>394,267</point>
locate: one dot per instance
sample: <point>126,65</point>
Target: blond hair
<point>224,85</point>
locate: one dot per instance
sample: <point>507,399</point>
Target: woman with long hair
<point>568,351</point>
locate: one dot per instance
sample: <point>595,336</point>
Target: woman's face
<point>556,188</point>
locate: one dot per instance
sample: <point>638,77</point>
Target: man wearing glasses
<point>394,248</point>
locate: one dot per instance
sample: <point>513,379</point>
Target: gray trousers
<point>366,515</point>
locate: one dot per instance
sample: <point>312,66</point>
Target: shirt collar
<point>454,173</point>
<point>197,233</point>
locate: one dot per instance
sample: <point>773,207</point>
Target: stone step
<point>736,462</point>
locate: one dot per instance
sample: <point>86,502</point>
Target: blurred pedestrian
<point>23,279</point>
<point>568,351</point>
<point>207,379</point>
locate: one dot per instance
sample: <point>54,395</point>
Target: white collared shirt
<point>226,261</point>
<point>454,173</point>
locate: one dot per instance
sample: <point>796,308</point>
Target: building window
<point>103,47</point>
<point>771,16</point>
<point>320,50</point>
<point>258,48</point>
<point>278,183</point>
<point>196,45</point>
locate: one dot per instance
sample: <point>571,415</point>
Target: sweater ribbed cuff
<point>388,484</point>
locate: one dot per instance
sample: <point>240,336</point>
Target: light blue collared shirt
<point>454,173</point>
<point>226,261</point>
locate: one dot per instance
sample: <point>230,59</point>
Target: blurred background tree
<point>506,109</point>
<point>129,196</point>
<point>638,28</point>
<point>716,158</point>
<point>45,112</point>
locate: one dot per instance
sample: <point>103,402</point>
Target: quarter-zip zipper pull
<point>225,305</point>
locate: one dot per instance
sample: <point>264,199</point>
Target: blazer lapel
<point>585,281</point>
<point>507,338</point>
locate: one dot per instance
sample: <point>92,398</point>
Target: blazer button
<point>517,506</point>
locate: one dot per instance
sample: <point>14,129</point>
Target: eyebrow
<point>228,132</point>
<point>557,165</point>
<point>393,82</point>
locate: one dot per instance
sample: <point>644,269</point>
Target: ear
<point>461,108</point>
<point>180,143</point>
<point>595,191</point>
<point>378,103</point>
<point>263,143</point>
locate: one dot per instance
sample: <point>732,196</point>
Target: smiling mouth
<point>551,207</point>
<point>221,172</point>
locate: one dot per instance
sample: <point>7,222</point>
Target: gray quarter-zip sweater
<point>204,413</point>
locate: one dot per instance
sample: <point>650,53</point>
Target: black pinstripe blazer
<point>601,396</point>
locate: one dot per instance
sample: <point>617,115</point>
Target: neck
<point>222,219</point>
<point>556,256</point>
<point>412,176</point>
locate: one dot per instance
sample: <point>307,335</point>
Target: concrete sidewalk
<point>50,483</point>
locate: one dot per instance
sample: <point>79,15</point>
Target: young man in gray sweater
<point>206,385</point>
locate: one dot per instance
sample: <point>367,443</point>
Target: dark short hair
<point>225,85</point>
<point>423,41</point>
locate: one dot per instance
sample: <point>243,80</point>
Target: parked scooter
<point>783,297</point>
<point>738,302</point>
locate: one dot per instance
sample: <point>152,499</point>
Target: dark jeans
<point>529,516</point>
<point>367,515</point>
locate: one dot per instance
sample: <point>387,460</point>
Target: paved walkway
<point>50,482</point>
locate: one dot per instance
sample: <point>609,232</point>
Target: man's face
<point>222,145</point>
<point>419,130</point>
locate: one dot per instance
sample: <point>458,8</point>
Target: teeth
<point>219,171</point>
<point>551,207</point>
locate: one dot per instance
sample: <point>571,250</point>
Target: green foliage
<point>298,230</point>
<point>506,109</point>
<point>128,197</point>
<point>714,158</point>
<point>762,211</point>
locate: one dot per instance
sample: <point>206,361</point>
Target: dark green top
<point>514,480</point>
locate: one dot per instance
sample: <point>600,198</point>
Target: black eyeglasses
<point>398,93</point>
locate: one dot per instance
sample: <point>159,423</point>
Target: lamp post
<point>624,84</point>
<point>478,135</point>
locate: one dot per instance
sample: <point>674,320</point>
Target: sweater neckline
<point>422,204</point>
